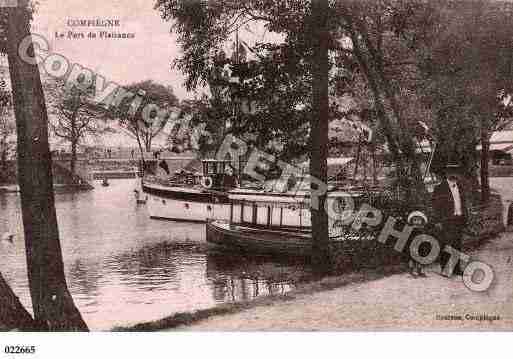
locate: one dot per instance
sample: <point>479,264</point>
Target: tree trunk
<point>73,162</point>
<point>372,66</point>
<point>147,143</point>
<point>13,316</point>
<point>319,134</point>
<point>53,305</point>
<point>74,139</point>
<point>357,159</point>
<point>380,107</point>
<point>374,167</point>
<point>485,154</point>
<point>143,161</point>
<point>3,160</point>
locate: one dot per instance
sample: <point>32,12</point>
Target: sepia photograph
<point>254,166</point>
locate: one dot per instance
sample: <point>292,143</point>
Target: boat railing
<point>172,181</point>
<point>250,213</point>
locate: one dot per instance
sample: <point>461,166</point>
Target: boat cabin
<point>284,211</point>
<point>269,211</point>
<point>214,172</point>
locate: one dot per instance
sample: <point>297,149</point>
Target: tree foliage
<point>147,116</point>
<point>466,78</point>
<point>270,102</point>
<point>75,119</point>
<point>370,42</point>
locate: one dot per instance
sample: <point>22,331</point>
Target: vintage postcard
<point>285,165</point>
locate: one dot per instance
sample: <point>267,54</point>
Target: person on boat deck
<point>450,212</point>
<point>230,180</point>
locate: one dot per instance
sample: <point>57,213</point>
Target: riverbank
<point>271,313</point>
<point>304,287</point>
<point>14,188</point>
<point>389,302</point>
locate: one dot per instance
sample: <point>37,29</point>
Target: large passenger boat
<point>201,197</point>
<point>200,194</point>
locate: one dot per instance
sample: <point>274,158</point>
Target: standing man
<point>450,215</point>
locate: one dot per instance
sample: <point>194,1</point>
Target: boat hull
<point>186,204</point>
<point>255,241</point>
<point>180,210</point>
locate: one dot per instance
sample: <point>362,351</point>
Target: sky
<point>147,56</point>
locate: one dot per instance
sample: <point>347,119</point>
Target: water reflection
<point>235,278</point>
<point>84,278</point>
<point>123,268</point>
<point>151,266</point>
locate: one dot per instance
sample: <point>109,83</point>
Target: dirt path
<point>398,302</point>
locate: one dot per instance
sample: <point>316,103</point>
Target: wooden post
<point>254,216</point>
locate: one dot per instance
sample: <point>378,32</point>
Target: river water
<point>123,268</point>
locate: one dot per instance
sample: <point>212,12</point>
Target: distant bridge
<point>90,169</point>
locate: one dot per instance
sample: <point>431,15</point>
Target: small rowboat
<point>258,241</point>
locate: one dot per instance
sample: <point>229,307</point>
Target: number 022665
<point>20,349</point>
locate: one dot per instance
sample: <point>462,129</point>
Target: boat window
<point>220,167</point>
<point>212,168</point>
